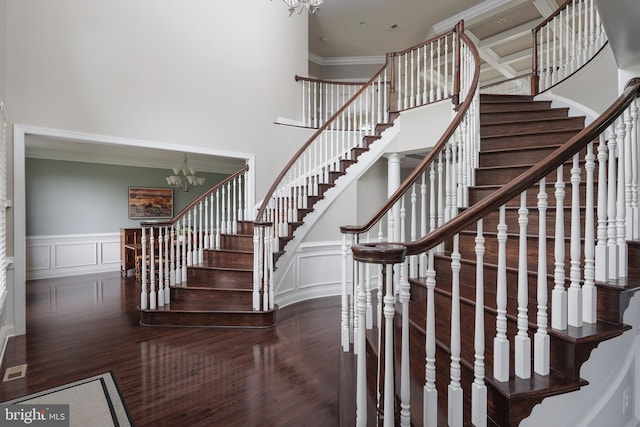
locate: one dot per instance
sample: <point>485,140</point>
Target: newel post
<point>455,98</point>
<point>535,77</point>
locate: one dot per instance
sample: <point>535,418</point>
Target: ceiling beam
<point>511,34</point>
<point>491,58</point>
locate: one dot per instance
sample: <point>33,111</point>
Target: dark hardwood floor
<point>82,326</point>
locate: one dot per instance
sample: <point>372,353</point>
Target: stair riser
<point>478,193</point>
<point>214,299</point>
<point>510,116</point>
<point>500,107</point>
<point>501,176</point>
<point>501,158</point>
<point>214,278</point>
<point>496,98</point>
<point>228,259</point>
<point>245,227</point>
<point>524,141</point>
<point>547,125</point>
<point>236,242</point>
<point>224,319</point>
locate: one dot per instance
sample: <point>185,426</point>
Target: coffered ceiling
<point>368,29</point>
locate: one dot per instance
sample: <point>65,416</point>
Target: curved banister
<point>431,156</point>
<point>549,18</point>
<point>203,196</point>
<point>312,80</point>
<point>308,143</point>
<point>530,177</point>
<point>424,43</point>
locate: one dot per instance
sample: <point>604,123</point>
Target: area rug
<point>94,401</point>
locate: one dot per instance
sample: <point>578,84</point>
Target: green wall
<point>74,198</point>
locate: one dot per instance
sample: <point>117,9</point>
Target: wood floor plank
<point>86,325</point>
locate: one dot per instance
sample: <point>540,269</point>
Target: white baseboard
<point>71,255</point>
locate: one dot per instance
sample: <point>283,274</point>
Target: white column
<point>393,182</point>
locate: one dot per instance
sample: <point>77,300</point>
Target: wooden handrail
<point>309,141</point>
<point>177,216</point>
<point>553,15</point>
<point>530,177</point>
<point>426,162</point>
<point>312,80</point>
<point>432,39</point>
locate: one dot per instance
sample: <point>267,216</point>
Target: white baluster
<point>257,271</point>
<point>602,264</point>
<point>541,337</point>
<point>405,406</point>
<point>153,297</point>
<point>500,342</point>
<point>575,290</point>
<point>167,280</point>
<point>344,296</point>
<point>161,291</point>
<point>611,205</point>
<point>522,340</point>
<point>635,218</point>
<point>173,277</point>
<point>628,175</point>
<point>361,368</point>
<point>389,381</point>
<point>559,293</point>
<point>143,294</point>
<point>478,388</point>
<point>430,393</point>
<point>620,206</point>
<point>589,291</point>
<point>455,389</point>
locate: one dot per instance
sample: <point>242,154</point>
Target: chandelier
<point>298,6</point>
<point>184,177</point>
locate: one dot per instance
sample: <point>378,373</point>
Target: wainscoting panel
<point>315,271</point>
<point>71,255</point>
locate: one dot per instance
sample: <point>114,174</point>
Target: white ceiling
<point>368,29</point>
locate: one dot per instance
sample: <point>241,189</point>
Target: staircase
<point>219,290</point>
<point>516,132</point>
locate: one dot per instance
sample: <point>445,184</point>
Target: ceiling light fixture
<point>298,6</point>
<point>184,177</point>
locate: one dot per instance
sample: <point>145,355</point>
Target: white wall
<point>194,72</point>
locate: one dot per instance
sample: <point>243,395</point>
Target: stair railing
<point>564,42</point>
<point>428,198</point>
<point>322,98</point>
<point>168,248</point>
<point>409,79</point>
<point>597,171</point>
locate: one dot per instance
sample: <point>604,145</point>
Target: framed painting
<point>147,202</point>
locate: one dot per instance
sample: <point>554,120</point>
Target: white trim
<point>72,254</point>
<point>20,131</point>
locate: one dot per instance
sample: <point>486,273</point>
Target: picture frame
<point>149,202</point>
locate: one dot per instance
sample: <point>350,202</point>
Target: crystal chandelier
<point>184,177</point>
<point>298,6</point>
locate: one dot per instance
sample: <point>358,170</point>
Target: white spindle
<point>574,294</point>
<point>500,342</point>
<point>153,301</point>
<point>620,203</point>
<point>611,205</point>
<point>161,290</point>
<point>455,394</point>
<point>478,388</point>
<point>559,293</point>
<point>405,381</point>
<point>344,297</point>
<point>541,338</point>
<point>522,340</point>
<point>589,291</point>
<point>361,367</point>
<point>430,393</point>
<point>602,264</point>
<point>144,298</point>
